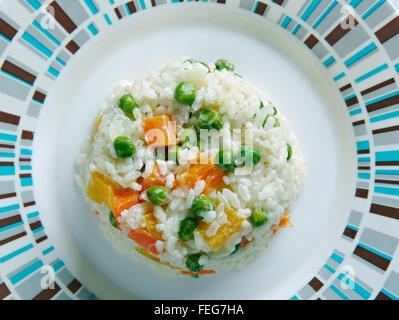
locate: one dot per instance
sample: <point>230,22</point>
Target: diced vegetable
<point>289,152</point>
<point>156,259</point>
<point>100,190</point>
<point>157,195</point>
<point>236,248</point>
<point>225,160</point>
<point>258,218</point>
<point>127,104</point>
<point>201,205</point>
<point>210,119</point>
<point>123,200</point>
<point>284,223</point>
<point>112,220</point>
<point>148,236</point>
<point>224,64</point>
<point>124,147</point>
<point>150,223</point>
<point>197,273</point>
<point>143,238</point>
<point>192,263</point>
<point>187,227</point>
<point>233,225</point>
<point>248,156</point>
<point>185,93</point>
<point>244,242</point>
<point>159,131</point>
<point>210,173</point>
<point>188,137</point>
<point>154,179</point>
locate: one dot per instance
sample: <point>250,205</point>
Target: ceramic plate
<point>330,65</point>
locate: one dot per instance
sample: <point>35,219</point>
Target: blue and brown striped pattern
<point>376,249</point>
<point>4,291</point>
<point>390,290</point>
<point>11,224</point>
<point>363,62</point>
<point>352,227</point>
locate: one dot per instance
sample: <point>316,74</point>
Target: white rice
<point>273,184</point>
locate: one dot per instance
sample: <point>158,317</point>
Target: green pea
<point>185,93</point>
<point>187,227</point>
<point>258,218</point>
<point>196,61</point>
<point>192,262</point>
<point>127,104</point>
<point>224,64</point>
<point>249,156</point>
<point>124,147</point>
<point>289,151</point>
<point>112,220</point>
<point>201,205</point>
<point>210,119</point>
<point>225,160</point>
<point>188,137</point>
<point>195,276</point>
<point>157,195</point>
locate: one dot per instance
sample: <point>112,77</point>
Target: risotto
<point>192,169</point>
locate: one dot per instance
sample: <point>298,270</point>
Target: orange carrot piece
<point>210,173</point>
<point>143,238</point>
<point>244,242</point>
<point>284,223</point>
<point>154,179</point>
<point>200,272</point>
<point>159,131</point>
<point>124,199</point>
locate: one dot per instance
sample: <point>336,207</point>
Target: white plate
<point>274,60</point>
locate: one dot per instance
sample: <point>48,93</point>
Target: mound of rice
<point>225,236</point>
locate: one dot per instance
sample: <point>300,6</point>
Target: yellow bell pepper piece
<point>232,226</point>
<point>100,190</point>
<point>150,222</point>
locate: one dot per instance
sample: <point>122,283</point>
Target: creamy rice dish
<point>192,169</point>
